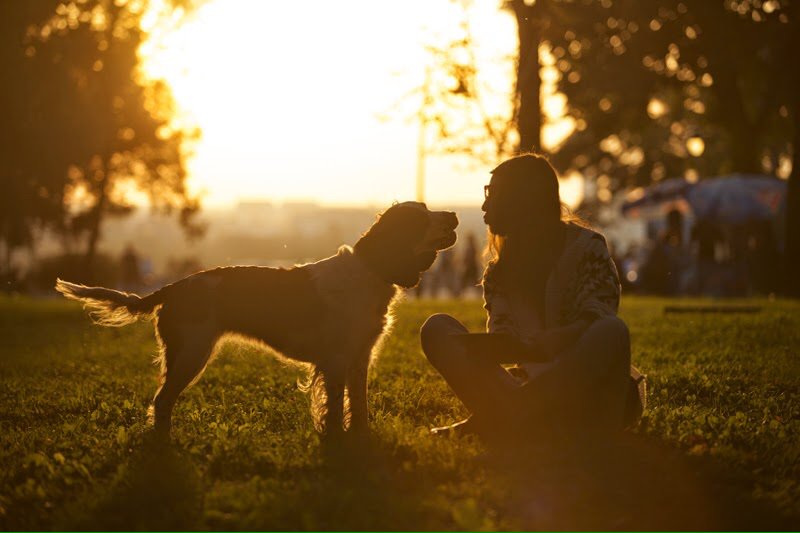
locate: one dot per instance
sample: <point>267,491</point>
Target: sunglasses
<point>486,189</point>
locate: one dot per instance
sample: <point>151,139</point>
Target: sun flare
<point>288,97</point>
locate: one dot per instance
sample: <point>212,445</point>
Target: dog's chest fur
<point>356,297</point>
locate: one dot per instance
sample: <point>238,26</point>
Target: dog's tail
<point>108,307</point>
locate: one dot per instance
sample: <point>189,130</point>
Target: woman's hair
<point>526,191</point>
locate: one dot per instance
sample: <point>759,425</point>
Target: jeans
<point>583,389</point>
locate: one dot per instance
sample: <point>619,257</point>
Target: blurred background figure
<point>707,241</point>
<point>443,281</point>
<point>734,246</point>
<point>664,270</point>
<point>763,257</point>
<point>456,272</point>
<point>130,275</point>
<point>470,267</point>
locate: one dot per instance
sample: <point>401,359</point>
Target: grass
<point>718,448</point>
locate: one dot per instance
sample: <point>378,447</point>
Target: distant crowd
<point>681,257</point>
<point>703,258</point>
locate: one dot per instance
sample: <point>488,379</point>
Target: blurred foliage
<point>655,89</point>
<point>462,110</point>
<point>82,129</point>
<point>645,80</point>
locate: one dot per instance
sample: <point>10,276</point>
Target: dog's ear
<point>388,246</point>
<point>405,225</point>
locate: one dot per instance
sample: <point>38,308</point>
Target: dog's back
<point>275,305</point>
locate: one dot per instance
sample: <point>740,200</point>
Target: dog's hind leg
<point>334,403</point>
<point>186,354</point>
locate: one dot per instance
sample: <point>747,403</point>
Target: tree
<point>26,180</point>
<point>455,99</point>
<point>792,249</point>
<point>450,105</point>
<point>684,87</point>
<point>532,22</point>
<point>88,127</point>
<point>662,89</point>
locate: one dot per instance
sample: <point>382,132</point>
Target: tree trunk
<point>745,136</point>
<point>5,271</point>
<point>529,81</point>
<point>94,229</point>
<point>792,245</point>
<point>744,130</point>
<point>745,149</point>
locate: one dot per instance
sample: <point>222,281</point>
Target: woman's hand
<point>540,347</point>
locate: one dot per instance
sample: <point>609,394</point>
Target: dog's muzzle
<point>441,234</point>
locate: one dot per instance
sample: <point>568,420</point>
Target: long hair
<point>527,189</point>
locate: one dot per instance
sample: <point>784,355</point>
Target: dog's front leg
<point>357,394</point>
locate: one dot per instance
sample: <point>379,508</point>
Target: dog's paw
<point>158,437</point>
<point>358,438</point>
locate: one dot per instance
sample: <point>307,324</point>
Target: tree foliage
<point>462,111</point>
<point>84,130</point>
<point>676,87</point>
<point>655,89</point>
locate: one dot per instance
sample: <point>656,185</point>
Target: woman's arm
<point>597,296</point>
<point>504,348</point>
<point>597,284</point>
<point>503,343</point>
<point>555,341</point>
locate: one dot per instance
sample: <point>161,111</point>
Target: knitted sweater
<point>582,284</point>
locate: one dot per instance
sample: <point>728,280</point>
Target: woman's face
<point>511,208</point>
<point>496,208</point>
<point>522,198</point>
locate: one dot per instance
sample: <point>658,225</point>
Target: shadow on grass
<point>158,489</point>
<point>358,488</point>
<point>630,484</point>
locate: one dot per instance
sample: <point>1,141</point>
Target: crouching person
<point>551,292</point>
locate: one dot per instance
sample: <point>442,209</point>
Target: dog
<point>329,315</point>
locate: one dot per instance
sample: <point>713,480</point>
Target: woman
<point>551,292</point>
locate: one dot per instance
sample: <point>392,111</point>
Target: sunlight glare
<point>287,96</point>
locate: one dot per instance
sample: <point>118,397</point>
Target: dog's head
<point>404,241</point>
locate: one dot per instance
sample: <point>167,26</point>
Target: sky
<point>297,101</point>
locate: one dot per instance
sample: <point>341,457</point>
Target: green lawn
<point>719,446</point>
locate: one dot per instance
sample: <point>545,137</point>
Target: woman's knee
<point>434,333</point>
<point>440,324</point>
<point>611,326</point>
<point>613,333</point>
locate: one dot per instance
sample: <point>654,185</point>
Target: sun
<point>288,96</point>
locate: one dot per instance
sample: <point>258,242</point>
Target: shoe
<point>465,427</point>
